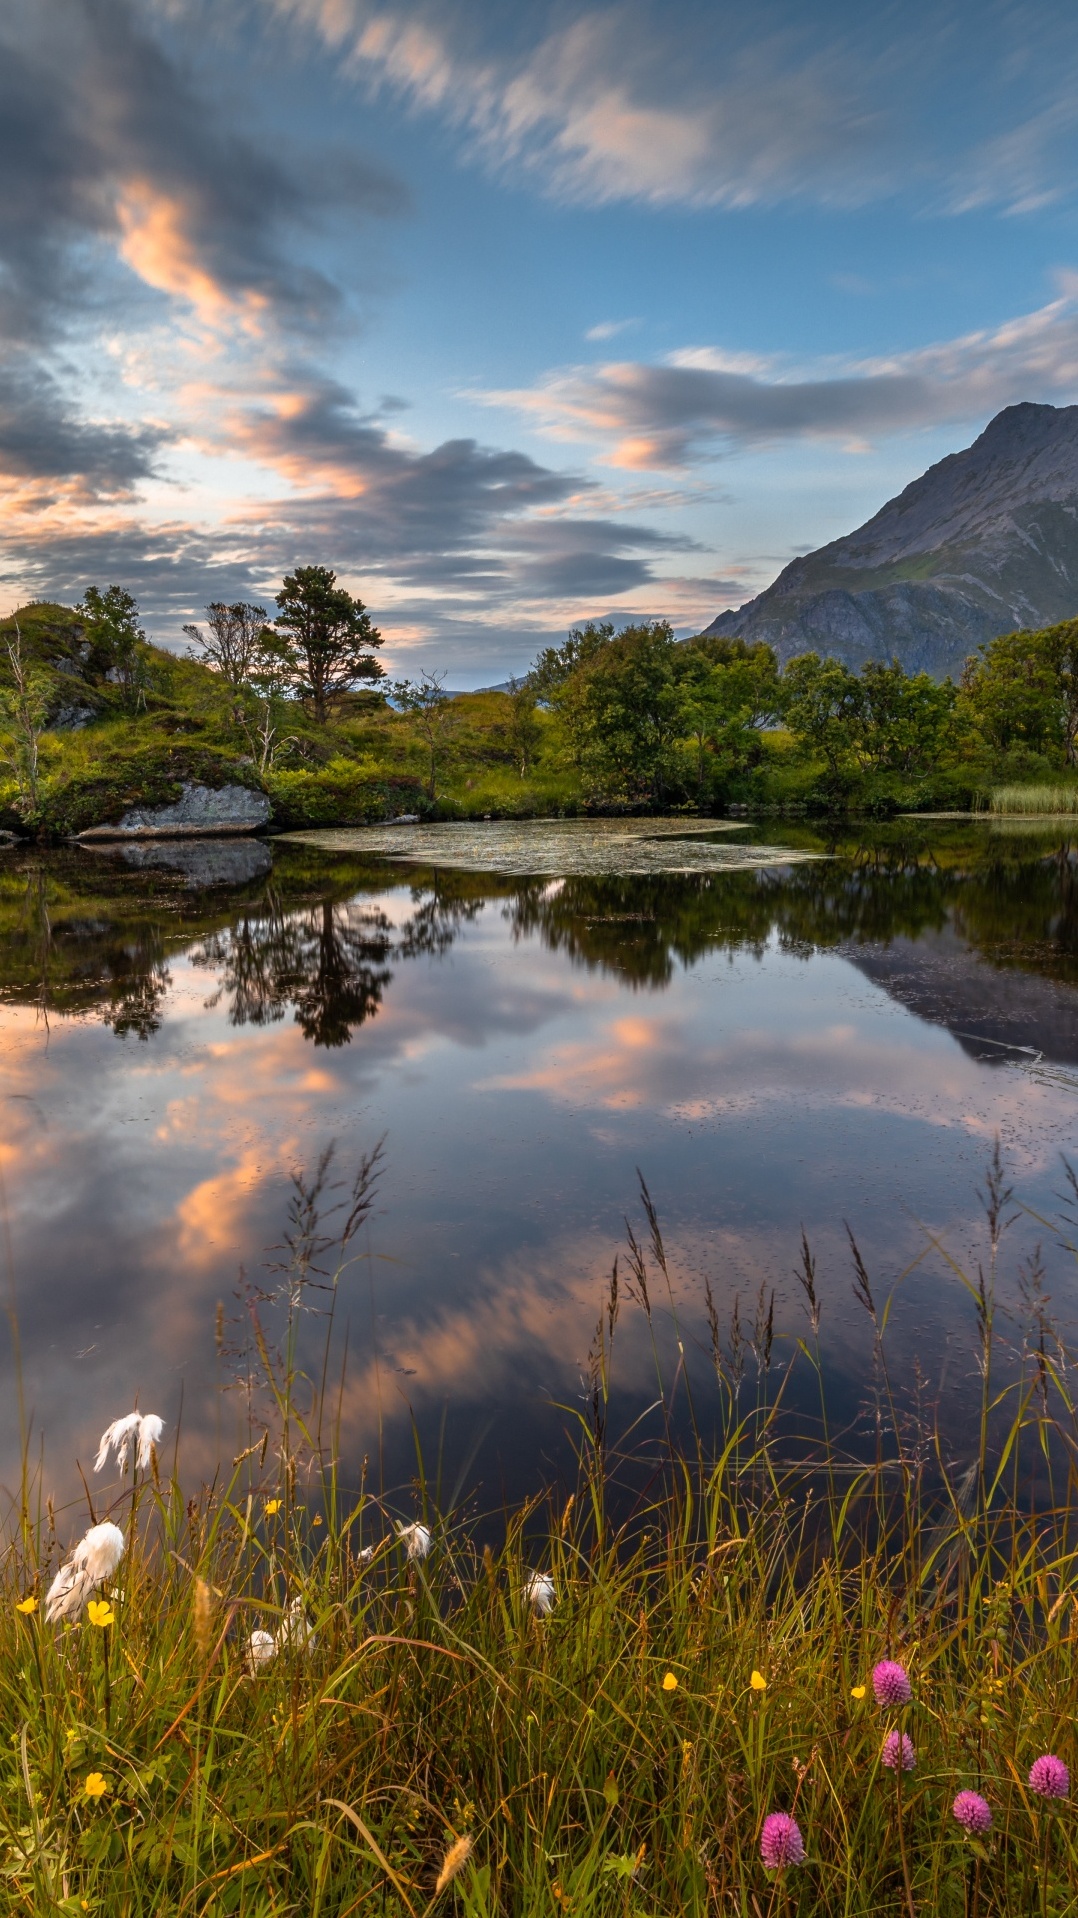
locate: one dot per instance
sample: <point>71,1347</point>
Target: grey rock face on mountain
<point>983,543</point>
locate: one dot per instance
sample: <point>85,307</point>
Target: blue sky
<point>514,316</point>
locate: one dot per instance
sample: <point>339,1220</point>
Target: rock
<point>985,542</point>
<point>199,810</point>
<point>200,863</point>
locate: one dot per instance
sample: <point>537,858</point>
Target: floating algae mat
<point>560,847</point>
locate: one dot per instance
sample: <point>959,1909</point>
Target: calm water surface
<point>791,1044</point>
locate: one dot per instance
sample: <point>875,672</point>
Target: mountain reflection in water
<point>774,1047</point>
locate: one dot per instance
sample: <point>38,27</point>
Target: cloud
<point>125,184</point>
<point>44,443</point>
<point>612,105</point>
<point>682,104</point>
<point>114,143</point>
<point>699,401</point>
<point>609,329</point>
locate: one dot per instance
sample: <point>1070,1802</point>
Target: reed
<point>1054,800</point>
<point>433,1731</point>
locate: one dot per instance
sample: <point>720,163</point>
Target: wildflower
<point>759,1684</point>
<point>539,1593</point>
<point>781,1842</point>
<point>100,1612</point>
<point>455,1859</point>
<point>271,1506</point>
<point>898,1750</point>
<point>261,1650</point>
<point>1049,1776</point>
<point>973,1812</point>
<point>890,1683</point>
<point>142,1428</point>
<point>858,1691</point>
<point>27,1605</point>
<point>669,1682</point>
<point>296,1628</point>
<point>95,1786</point>
<point>317,1519</point>
<point>415,1539</point>
<point>94,1559</point>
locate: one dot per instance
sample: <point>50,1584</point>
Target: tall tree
<point>433,712</point>
<point>822,703</point>
<point>906,719</point>
<point>24,703</point>
<point>330,633</point>
<point>623,711</point>
<point>232,645</point>
<point>1022,690</point>
<point>115,642</point>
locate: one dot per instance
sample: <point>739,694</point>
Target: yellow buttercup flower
<point>27,1605</point>
<point>272,1505</point>
<point>858,1691</point>
<point>96,1786</point>
<point>758,1682</point>
<point>100,1612</point>
<point>669,1683</point>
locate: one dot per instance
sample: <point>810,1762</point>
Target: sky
<point>515,316</point>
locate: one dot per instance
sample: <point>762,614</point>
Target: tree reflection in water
<point>328,961</point>
<point>312,935</point>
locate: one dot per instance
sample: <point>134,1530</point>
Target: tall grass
<point>707,1660</point>
<point>1034,799</point>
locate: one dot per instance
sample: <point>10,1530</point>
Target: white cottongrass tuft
<point>539,1593</point>
<point>296,1629</point>
<point>143,1429</point>
<point>94,1559</point>
<point>261,1651</point>
<point>415,1539</point>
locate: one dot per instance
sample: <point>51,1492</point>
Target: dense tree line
<point>619,716</point>
<point>647,717</point>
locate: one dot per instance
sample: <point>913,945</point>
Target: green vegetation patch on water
<point>562,847</point>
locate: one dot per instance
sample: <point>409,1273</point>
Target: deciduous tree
<point>233,643</point>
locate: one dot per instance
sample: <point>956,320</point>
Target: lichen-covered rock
<point>199,810</point>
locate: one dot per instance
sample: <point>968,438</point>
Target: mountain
<point>983,543</point>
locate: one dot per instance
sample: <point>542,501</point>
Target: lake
<point>782,1028</point>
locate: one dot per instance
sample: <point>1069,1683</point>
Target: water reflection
<point>777,1046</point>
<point>290,929</point>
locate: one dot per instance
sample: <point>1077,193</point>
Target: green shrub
<point>341,794</point>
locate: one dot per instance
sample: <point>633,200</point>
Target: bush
<point>342,794</point>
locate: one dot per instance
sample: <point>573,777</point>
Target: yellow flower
<point>96,1786</point>
<point>858,1691</point>
<point>669,1683</point>
<point>317,1519</point>
<point>758,1682</point>
<point>272,1505</point>
<point>100,1612</point>
<point>27,1605</point>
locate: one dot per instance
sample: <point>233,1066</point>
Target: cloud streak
<point>699,402</point>
<point>718,106</point>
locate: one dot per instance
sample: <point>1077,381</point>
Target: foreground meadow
<point>759,1677</point>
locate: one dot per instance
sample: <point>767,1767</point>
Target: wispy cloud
<point>700,401</point>
<point>679,104</point>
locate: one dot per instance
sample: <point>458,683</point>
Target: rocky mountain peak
<point>983,542</point>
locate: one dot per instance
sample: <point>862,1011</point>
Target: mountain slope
<point>984,542</point>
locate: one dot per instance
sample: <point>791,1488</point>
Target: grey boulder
<point>199,810</point>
